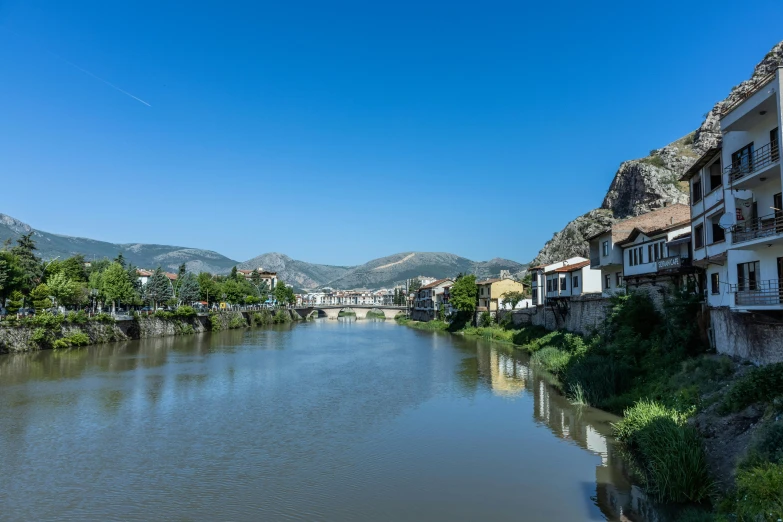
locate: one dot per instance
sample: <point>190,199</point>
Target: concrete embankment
<point>39,333</point>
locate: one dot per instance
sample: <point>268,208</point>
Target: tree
<point>158,288</point>
<point>513,298</point>
<point>188,288</point>
<point>208,287</point>
<point>527,281</point>
<point>234,291</point>
<point>120,259</point>
<point>11,275</point>
<point>65,291</point>
<point>116,285</point>
<point>73,268</point>
<point>464,293</point>
<point>15,301</point>
<point>284,294</point>
<point>40,297</point>
<point>234,274</point>
<point>30,263</point>
<point>414,285</point>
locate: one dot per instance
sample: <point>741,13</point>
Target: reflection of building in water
<point>588,428</point>
<point>508,375</point>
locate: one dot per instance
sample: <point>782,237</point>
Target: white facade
<point>743,259</point>
<point>568,278</point>
<point>646,254</point>
<point>607,257</point>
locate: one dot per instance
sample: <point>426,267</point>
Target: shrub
<point>74,339</point>
<point>669,453</point>
<point>103,318</point>
<point>281,317</point>
<point>185,312</point>
<point>79,317</point>
<point>485,319</point>
<point>185,329</point>
<point>163,314</point>
<point>47,320</point>
<point>237,322</point>
<point>263,318</point>
<point>551,359</point>
<point>40,338</point>
<point>767,447</point>
<point>760,493</point>
<point>757,385</point>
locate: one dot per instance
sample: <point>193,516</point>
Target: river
<point>325,420</point>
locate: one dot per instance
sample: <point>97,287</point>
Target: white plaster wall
<point>591,280</point>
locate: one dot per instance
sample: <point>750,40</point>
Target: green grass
<point>440,326</point>
<point>375,315</point>
<point>669,453</point>
<point>74,339</point>
<point>760,493</point>
<point>759,384</point>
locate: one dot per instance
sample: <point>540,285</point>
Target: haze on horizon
<point>350,132</point>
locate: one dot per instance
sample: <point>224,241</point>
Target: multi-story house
<point>643,249</point>
<point>737,206</point>
<point>490,291</point>
<point>547,282</point>
<point>430,299</point>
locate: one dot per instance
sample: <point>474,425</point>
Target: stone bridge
<point>333,311</point>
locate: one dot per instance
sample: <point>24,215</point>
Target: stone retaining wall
<point>18,338</point>
<point>751,336</point>
<point>581,314</point>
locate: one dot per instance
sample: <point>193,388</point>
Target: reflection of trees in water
<point>506,372</point>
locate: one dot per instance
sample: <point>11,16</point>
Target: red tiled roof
<point>171,276</point>
<point>143,273</point>
<point>574,267</point>
<point>652,222</point>
<point>434,284</point>
<point>488,281</point>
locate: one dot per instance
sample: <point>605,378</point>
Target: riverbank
<point>47,331</point>
<point>702,430</point>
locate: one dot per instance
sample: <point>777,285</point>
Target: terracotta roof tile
<point>655,221</point>
<point>574,267</point>
<point>434,284</point>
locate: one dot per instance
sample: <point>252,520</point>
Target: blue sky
<point>337,132</point>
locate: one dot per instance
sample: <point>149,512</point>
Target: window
<point>747,276</point>
<point>562,283</point>
<point>482,290</point>
<point>698,236</point>
<point>718,234</point>
<point>618,277</point>
<point>650,252</point>
<point>716,180</point>
<point>715,283</point>
<point>655,249</point>
<point>548,285</point>
<point>535,295</point>
<point>696,196</point>
<point>635,256</point>
<point>630,258</point>
<point>606,248</point>
<point>607,281</point>
<point>575,282</point>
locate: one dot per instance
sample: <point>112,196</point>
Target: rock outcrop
<point>650,183</point>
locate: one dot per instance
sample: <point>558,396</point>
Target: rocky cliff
<point>645,184</point>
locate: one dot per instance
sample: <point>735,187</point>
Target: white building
<point>430,298</point>
<point>737,207</point>
<point>568,278</point>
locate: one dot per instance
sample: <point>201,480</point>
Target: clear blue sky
<point>337,132</point>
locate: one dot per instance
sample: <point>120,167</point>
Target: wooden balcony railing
<point>761,158</point>
<point>755,293</point>
<point>765,226</point>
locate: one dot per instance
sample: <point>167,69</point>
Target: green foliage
<point>766,447</point>
<point>251,300</point>
<point>40,338</point>
<point>464,293</point>
<point>74,339</point>
<point>115,285</point>
<point>261,318</point>
<point>15,302</point>
<point>284,294</point>
<point>158,288</point>
<point>185,312</point>
<point>551,359</point>
<point>46,320</point>
<point>669,453</point>
<point>188,288</point>
<point>208,288</point>
<point>655,160</point>
<point>65,291</point>
<point>281,317</point>
<point>12,278</point>
<point>29,263</point>
<point>40,297</point>
<point>428,325</point>
<point>760,493</point>
<point>513,298</point>
<point>757,385</point>
<point>103,318</point>
<point>237,322</point>
<point>79,317</point>
<point>485,319</point>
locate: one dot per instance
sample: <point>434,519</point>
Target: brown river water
<point>325,420</point>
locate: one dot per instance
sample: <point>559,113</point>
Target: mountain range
<point>649,183</point>
<point>378,273</point>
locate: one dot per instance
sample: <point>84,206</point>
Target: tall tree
<point>234,274</point>
<point>40,295</point>
<point>158,288</point>
<point>208,288</point>
<point>464,293</point>
<point>120,259</point>
<point>74,268</point>
<point>414,285</point>
<point>30,263</point>
<point>116,285</point>
<point>284,294</point>
<point>188,288</point>
<point>65,291</point>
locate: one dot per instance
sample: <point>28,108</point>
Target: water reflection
<point>332,420</point>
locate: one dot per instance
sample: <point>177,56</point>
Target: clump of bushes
<point>73,339</point>
<point>261,318</point>
<point>79,317</point>
<point>760,493</point>
<point>281,317</point>
<point>757,385</point>
<point>551,359</point>
<point>103,318</point>
<point>237,322</point>
<point>46,320</point>
<point>185,312</point>
<point>669,453</point>
<point>40,338</point>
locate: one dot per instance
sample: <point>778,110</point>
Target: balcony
<point>761,158</point>
<point>765,226</point>
<point>595,262</point>
<point>758,293</point>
